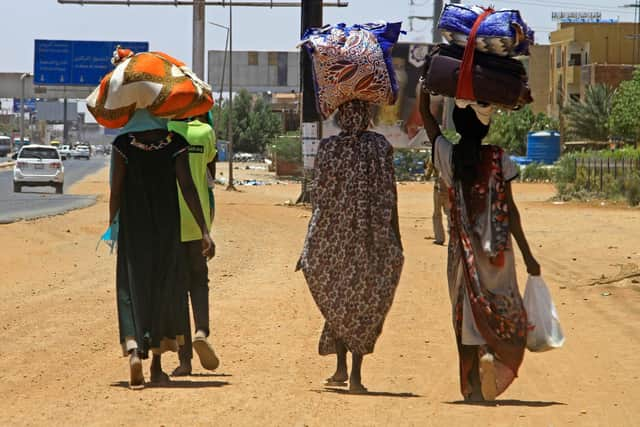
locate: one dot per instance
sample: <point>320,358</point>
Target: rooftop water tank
<point>543,147</point>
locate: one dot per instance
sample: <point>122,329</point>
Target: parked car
<point>5,146</point>
<point>38,166</point>
<point>82,152</point>
<point>65,152</point>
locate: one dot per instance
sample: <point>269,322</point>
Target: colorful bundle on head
<point>503,33</point>
<point>154,81</point>
<point>352,63</point>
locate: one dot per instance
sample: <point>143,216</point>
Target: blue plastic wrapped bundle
<point>352,63</point>
<point>503,33</point>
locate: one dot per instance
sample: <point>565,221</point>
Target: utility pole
<point>22,79</point>
<point>197,60</point>
<point>311,127</point>
<point>230,186</point>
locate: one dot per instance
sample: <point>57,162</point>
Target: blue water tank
<point>543,147</point>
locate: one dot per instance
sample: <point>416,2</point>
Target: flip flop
<point>488,377</point>
<point>208,358</point>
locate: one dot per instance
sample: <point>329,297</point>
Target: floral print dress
<point>352,256</point>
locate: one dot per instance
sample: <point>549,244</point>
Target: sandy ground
<point>60,362</point>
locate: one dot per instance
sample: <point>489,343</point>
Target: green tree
<point>623,121</point>
<point>254,124</point>
<point>509,128</point>
<point>589,118</point>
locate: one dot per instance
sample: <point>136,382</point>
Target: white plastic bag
<point>547,333</point>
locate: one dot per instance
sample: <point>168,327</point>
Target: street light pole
<point>22,79</point>
<point>224,67</point>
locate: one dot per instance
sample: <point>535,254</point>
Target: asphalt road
<point>35,202</point>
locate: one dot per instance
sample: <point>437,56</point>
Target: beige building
<point>576,45</point>
<point>538,64</point>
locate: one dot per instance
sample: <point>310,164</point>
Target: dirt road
<point>60,360</point>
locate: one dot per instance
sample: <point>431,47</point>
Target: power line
<point>566,4</point>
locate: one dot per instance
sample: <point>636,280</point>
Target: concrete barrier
<point>7,165</point>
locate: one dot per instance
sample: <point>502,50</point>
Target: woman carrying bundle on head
<point>148,164</point>
<point>352,257</point>
<point>488,316</point>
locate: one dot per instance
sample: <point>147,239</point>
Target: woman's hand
<point>533,268</point>
<point>208,246</point>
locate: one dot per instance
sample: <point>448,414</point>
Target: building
<point>538,64</point>
<point>586,53</point>
<point>257,72</point>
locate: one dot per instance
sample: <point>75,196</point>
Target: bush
<point>537,172</point>
<point>575,183</point>
<point>288,148</point>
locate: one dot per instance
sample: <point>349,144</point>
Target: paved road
<point>36,202</point>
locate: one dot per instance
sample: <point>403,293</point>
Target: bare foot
<point>339,379</point>
<point>157,374</point>
<point>488,377</point>
<point>356,387</point>
<point>183,370</point>
<point>136,380</point>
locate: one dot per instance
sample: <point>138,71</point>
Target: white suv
<point>38,166</point>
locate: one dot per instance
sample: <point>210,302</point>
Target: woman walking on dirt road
<point>352,256</point>
<point>489,319</point>
<point>144,196</point>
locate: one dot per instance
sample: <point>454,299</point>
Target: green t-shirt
<point>202,150</point>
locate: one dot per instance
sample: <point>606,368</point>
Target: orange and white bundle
<point>155,81</point>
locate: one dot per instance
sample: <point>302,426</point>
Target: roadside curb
<point>7,165</point>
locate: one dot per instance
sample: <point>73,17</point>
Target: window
<point>252,58</point>
<point>575,59</point>
<point>273,58</point>
<point>38,153</point>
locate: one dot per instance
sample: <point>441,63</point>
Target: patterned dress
<point>352,256</point>
<point>486,304</point>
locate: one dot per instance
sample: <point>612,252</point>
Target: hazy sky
<point>169,28</point>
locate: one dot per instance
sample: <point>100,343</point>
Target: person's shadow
<point>346,392</point>
<point>177,384</point>
<point>509,402</point>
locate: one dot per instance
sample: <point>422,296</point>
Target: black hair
<point>466,154</point>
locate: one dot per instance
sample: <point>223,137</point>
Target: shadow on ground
<point>369,393</point>
<point>177,384</point>
<point>510,402</point>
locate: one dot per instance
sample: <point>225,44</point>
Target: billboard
<point>76,63</point>
<point>401,123</point>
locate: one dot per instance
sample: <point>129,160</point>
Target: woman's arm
<point>117,184</point>
<point>430,123</point>
<point>515,226</point>
<point>190,194</point>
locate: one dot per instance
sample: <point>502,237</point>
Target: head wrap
<point>354,117</point>
<point>143,120</point>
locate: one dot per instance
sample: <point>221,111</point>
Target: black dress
<point>149,295</point>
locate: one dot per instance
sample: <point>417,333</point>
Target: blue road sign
<point>81,63</point>
<point>29,105</point>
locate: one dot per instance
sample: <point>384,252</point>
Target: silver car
<point>38,166</point>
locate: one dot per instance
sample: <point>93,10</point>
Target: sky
<point>169,29</point>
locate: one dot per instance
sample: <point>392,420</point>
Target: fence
<point>596,169</point>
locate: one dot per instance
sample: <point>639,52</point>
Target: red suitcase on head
<point>496,80</point>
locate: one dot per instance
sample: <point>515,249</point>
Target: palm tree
<point>589,118</point>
